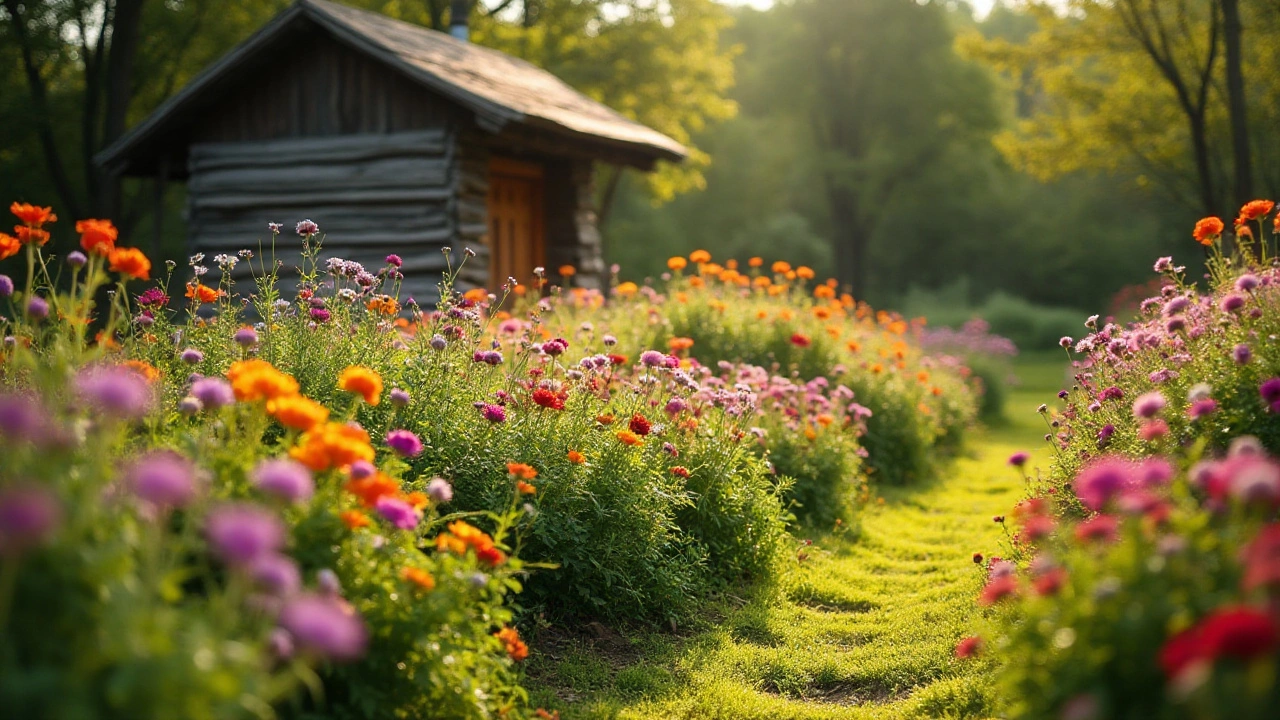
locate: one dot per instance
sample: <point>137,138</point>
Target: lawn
<point>864,626</point>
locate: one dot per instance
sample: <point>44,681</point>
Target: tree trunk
<point>850,239</point>
<point>1238,108</point>
<point>1204,166</point>
<point>119,81</point>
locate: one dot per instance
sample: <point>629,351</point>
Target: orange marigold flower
<point>756,261</point>
<point>729,276</point>
<point>700,256</point>
<point>372,488</point>
<point>361,381</point>
<point>202,293</point>
<point>297,412</point>
<point>419,577</point>
<point>383,305</point>
<point>9,246</point>
<point>731,264</point>
<point>762,314</point>
<point>804,272</point>
<point>1256,209</point>
<point>525,488</point>
<point>354,519</point>
<point>1207,230</point>
<point>568,270</point>
<point>33,215</point>
<point>332,445</point>
<point>521,470</point>
<point>605,419</point>
<point>31,236</point>
<point>418,500</point>
<point>677,263</point>
<point>511,641</point>
<point>810,433</point>
<point>825,419</point>
<point>1244,231</point>
<point>131,262</point>
<point>626,289</point>
<point>629,438</point>
<point>822,313</point>
<point>259,380</point>
<point>576,457</point>
<point>679,344</point>
<point>97,237</point>
<point>143,368</point>
<point>762,281</point>
<point>476,295</point>
<point>781,267</point>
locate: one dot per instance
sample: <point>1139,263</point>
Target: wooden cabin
<point>394,139</point>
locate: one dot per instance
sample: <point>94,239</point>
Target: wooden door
<point>516,235</point>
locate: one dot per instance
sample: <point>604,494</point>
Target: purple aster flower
<point>190,406</point>
<point>493,413</point>
<point>1270,391</point>
<point>213,393</point>
<point>276,574</point>
<point>246,337</point>
<point>163,479</point>
<point>115,391</point>
<point>652,358</point>
<point>145,319</point>
<point>29,516</point>
<point>320,315</point>
<point>325,626</point>
<point>440,490</point>
<point>397,512</point>
<point>1174,324</point>
<point>1104,435</point>
<point>1162,376</point>
<point>1100,482</point>
<point>191,356</point>
<point>1247,282</point>
<point>6,286</point>
<point>1202,408</point>
<point>1111,393</point>
<point>153,297</point>
<point>76,259</point>
<point>394,260</point>
<point>328,582</point>
<point>1242,354</point>
<point>1163,265</point>
<point>404,442</point>
<point>609,340</point>
<point>399,397</point>
<point>492,357</point>
<point>1231,303</point>
<point>438,342</point>
<point>1019,458</point>
<point>307,227</point>
<point>21,418</point>
<point>286,479</point>
<point>361,469</point>
<point>38,308</point>
<point>1176,305</point>
<point>1148,405</point>
<point>240,533</point>
<point>675,406</point>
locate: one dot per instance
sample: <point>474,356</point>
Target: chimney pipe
<point>459,22</point>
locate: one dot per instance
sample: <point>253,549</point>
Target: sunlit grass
<point>865,627</point>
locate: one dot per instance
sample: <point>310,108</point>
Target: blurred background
<point>1023,162</point>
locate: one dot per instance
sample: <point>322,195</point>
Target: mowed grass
<point>864,626</point>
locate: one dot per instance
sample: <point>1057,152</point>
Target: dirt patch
<point>833,605</point>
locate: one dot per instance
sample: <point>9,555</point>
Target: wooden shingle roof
<point>499,89</point>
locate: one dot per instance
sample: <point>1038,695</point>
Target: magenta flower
<point>320,315</point>
<point>652,358</point>
<point>240,533</point>
<point>115,391</point>
<point>440,490</point>
<point>1270,391</point>
<point>1149,405</point>
<point>397,512</point>
<point>361,469</point>
<point>1231,303</point>
<point>1202,408</point>
<point>1241,354</point>
<point>213,393</point>
<point>163,479</point>
<point>1019,458</point>
<point>1247,282</point>
<point>493,413</point>
<point>276,574</point>
<point>153,298</point>
<point>1100,482</point>
<point>1153,430</point>
<point>286,479</point>
<point>29,516</point>
<point>307,227</point>
<point>1101,528</point>
<point>325,626</point>
<point>404,442</point>
<point>394,260</point>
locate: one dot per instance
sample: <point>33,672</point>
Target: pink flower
<point>968,647</point>
<point>998,589</point>
<point>1100,528</point>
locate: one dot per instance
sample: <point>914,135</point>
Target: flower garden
<point>308,496</point>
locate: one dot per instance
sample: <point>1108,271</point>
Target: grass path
<point>864,628</point>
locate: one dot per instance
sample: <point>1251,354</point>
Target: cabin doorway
<point>517,237</point>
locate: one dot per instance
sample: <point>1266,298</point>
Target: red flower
<point>639,425</point>
<point>1207,230</point>
<point>617,359</point>
<point>1241,633</point>
<point>998,589</point>
<point>1050,582</point>
<point>680,471</point>
<point>1036,527</point>
<point>1180,652</point>
<point>1262,559</point>
<point>1097,529</point>
<point>547,399</point>
<point>968,647</point>
<point>1256,209</point>
<point>801,340</point>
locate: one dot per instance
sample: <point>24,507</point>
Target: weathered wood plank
<point>300,151</point>
<point>370,174</point>
<point>303,198</point>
